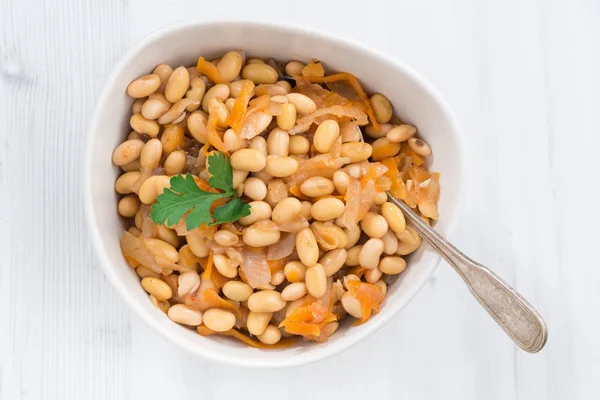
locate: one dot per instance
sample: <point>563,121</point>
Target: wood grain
<point>520,77</point>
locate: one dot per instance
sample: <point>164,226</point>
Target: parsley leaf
<point>231,211</point>
<point>185,197</point>
<point>221,175</point>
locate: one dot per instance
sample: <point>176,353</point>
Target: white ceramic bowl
<point>414,101</point>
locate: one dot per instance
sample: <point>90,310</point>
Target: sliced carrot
<point>209,266</point>
<point>277,265</point>
<point>302,314</point>
<point>210,70</point>
<point>358,271</point>
<point>355,84</point>
<point>213,136</point>
<point>295,190</point>
<point>308,320</point>
<point>258,103</point>
<point>203,184</point>
<point>242,276</point>
<point>398,188</point>
<point>303,329</point>
<point>369,296</point>
<point>238,113</point>
<point>213,300</point>
<point>282,344</point>
<point>308,299</point>
<point>218,279</point>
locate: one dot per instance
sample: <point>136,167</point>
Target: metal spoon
<point>510,310</point>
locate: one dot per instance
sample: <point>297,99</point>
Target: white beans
<point>392,265</point>
<point>128,206</point>
<point>281,166</point>
<point>374,225</point>
<point>271,335</point>
<point>198,88</point>
<point>352,259</point>
<point>224,266</point>
<point>401,133</point>
<point>317,186</point>
<point>316,280</point>
<point>393,216</point>
<point>260,73</point>
<point>333,260</point>
<point>372,275</point>
<point>326,135</point>
<point>294,291</point>
<point>286,210</point>
<point>144,86</point>
<point>197,245</point>
<point>287,119</point>
<point>125,182</point>
<point>307,248</point>
<point>218,320</point>
<point>257,322</point>
<point>356,151</point>
<point>177,85</point>
<point>266,301</point>
<point>127,152</point>
<point>352,305</point>
<point>262,233</point>
<point>164,71</point>
<point>162,249</point>
<point>175,162</point>
<point>327,208</point>
<point>381,107</point>
<point>196,124</point>
<point>295,271</point>
<point>278,142</point>
<point>188,282</point>
<point>381,285</point>
<point>259,210</point>
<point>184,315</point>
<point>370,253</point>
<point>390,242</point>
<point>144,126</point>
<point>277,278</point>
<point>299,145</point>
<point>341,180</point>
<point>255,189</point>
<point>150,154</point>
<point>219,92</point>
<point>152,188</point>
<point>225,238</point>
<point>248,160</point>
<point>157,287</point>
<point>259,144</point>
<point>238,177</point>
<point>237,291</point>
<point>419,147</point>
<point>294,68</point>
<point>303,103</point>
<point>235,88</point>
<point>233,142</point>
<point>230,65</point>
<point>155,106</point>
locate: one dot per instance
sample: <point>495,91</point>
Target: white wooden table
<point>521,78</point>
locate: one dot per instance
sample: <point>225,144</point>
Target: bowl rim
<point>96,238</point>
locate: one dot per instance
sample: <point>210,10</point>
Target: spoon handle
<point>510,310</point>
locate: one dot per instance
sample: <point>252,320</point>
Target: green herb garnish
<point>185,195</point>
